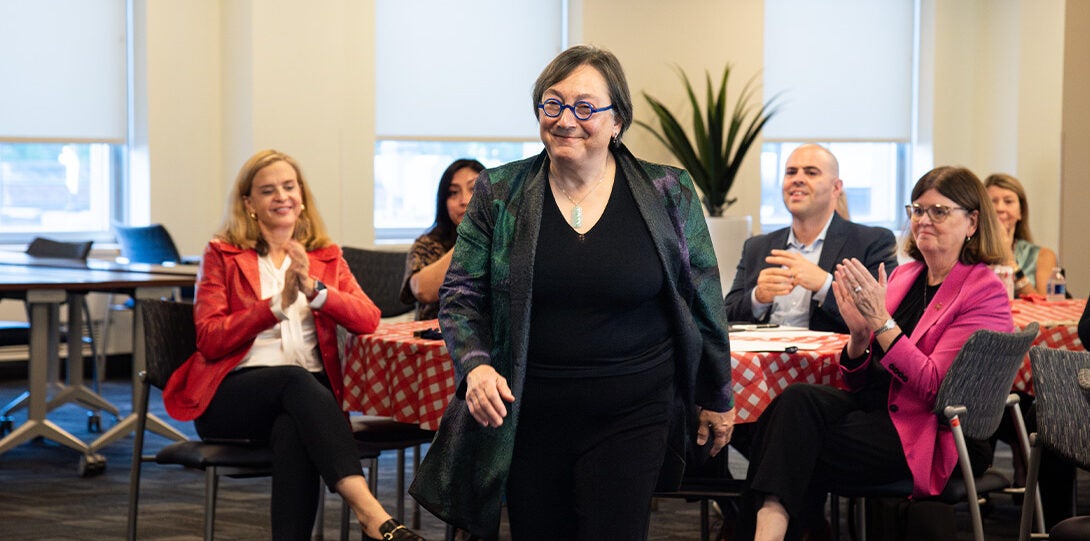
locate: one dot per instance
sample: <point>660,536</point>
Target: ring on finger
<point>858,289</point>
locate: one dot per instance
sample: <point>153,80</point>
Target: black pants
<point>587,455</point>
<point>809,437</point>
<point>295,412</point>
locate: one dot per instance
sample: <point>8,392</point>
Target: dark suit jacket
<point>844,240</point>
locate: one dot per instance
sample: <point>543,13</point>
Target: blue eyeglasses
<point>581,109</point>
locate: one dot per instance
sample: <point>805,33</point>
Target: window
<point>875,177</point>
<point>481,110</point>
<point>851,86</point>
<point>55,188</point>
<point>407,177</point>
<point>65,123</point>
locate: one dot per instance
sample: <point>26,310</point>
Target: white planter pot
<point>728,234</point>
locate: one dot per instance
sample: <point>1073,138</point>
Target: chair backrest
<point>1063,407</point>
<point>981,378</point>
<point>149,244</point>
<point>381,274</point>
<point>43,247</point>
<point>170,337</point>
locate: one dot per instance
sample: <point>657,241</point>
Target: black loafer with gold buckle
<point>392,530</point>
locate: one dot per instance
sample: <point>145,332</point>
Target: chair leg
<point>705,530</point>
<point>211,485</point>
<point>967,475</point>
<point>416,504</point>
<point>401,485</point>
<point>1031,492</point>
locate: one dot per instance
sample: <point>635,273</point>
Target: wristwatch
<point>887,326</point>
<point>318,288</point>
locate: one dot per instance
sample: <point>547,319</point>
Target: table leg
<point>127,425</point>
<point>75,390</point>
<point>52,357</point>
<point>43,322</point>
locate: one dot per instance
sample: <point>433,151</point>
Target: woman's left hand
<point>720,424</point>
<point>299,269</point>
<point>861,300</point>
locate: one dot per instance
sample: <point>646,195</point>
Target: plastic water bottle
<point>1057,286</point>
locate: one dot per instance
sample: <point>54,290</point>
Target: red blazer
<point>970,298</point>
<point>229,314</point>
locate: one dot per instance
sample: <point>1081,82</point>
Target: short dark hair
<point>606,64</point>
<point>965,189</point>
<point>444,228</point>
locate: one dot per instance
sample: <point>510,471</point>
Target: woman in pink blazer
<point>905,333</point>
<point>272,289</point>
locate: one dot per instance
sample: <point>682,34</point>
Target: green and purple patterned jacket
<point>485,317</point>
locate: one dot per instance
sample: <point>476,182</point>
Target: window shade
<point>844,69</point>
<point>63,70</point>
<point>465,70</point>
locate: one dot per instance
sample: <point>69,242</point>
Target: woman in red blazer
<point>905,334</point>
<point>272,290</point>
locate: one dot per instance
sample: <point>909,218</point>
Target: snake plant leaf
<point>719,143</point>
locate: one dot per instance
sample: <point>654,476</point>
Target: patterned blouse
<point>427,249</point>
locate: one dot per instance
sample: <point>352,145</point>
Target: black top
<point>598,298</point>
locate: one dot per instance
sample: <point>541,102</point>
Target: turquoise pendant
<point>577,216</point>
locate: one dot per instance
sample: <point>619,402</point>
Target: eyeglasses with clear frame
<point>937,213</point>
<point>582,110</point>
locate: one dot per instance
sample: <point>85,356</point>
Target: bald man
<point>784,276</point>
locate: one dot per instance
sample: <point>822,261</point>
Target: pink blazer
<point>970,298</point>
<point>229,314</point>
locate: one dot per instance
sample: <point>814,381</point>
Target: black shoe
<point>392,530</point>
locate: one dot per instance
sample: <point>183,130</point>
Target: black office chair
<point>380,273</point>
<point>17,333</point>
<point>1061,379</point>
<point>149,244</point>
<point>972,398</point>
<point>170,338</point>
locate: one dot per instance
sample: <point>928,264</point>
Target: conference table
<point>46,283</point>
<point>395,373</point>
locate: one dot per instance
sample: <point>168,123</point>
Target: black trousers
<point>809,437</point>
<point>295,411</point>
<point>587,455</point>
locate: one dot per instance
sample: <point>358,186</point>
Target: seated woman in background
<point>271,291</point>
<point>429,258</point>
<point>883,429</point>
<point>1032,264</point>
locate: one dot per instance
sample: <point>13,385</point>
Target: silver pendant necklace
<point>576,209</point>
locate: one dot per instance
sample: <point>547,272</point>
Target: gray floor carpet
<point>42,497</point>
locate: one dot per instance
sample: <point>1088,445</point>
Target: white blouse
<point>293,341</point>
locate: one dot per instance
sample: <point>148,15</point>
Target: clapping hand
<point>297,276</point>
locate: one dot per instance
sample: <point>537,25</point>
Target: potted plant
<point>719,143</point>
<point>714,156</point>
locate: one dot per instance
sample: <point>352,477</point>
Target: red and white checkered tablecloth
<point>1059,323</point>
<point>758,377</point>
<point>391,373</point>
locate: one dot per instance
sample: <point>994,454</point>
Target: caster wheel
<point>94,422</point>
<point>91,465</point>
<point>6,426</point>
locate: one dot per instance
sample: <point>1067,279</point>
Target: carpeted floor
<point>42,497</point>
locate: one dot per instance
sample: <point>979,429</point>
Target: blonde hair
<point>241,230</point>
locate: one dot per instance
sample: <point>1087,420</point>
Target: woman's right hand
<point>486,392</point>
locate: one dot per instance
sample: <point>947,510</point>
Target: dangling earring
<point>615,141</point>
<point>302,206</point>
